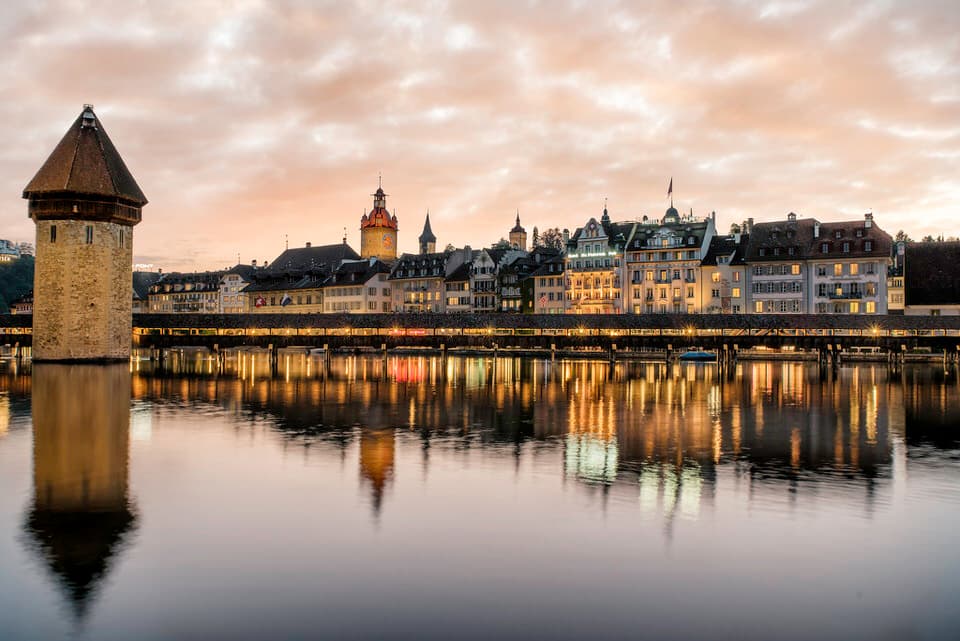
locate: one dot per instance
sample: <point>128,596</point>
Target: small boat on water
<point>698,355</point>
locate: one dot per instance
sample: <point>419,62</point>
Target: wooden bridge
<point>895,334</point>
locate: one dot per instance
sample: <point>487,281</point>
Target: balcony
<point>852,295</point>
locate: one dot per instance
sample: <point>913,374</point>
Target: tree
<point>536,237</point>
<point>16,279</point>
<point>552,238</point>
<point>902,237</point>
<point>503,243</point>
<point>928,239</point>
<point>734,229</point>
<point>449,248</point>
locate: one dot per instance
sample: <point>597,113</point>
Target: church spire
<point>428,242</point>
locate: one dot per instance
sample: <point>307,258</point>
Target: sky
<point>251,124</point>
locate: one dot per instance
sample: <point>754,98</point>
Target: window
<point>838,234</point>
<point>758,306</point>
<point>868,246</point>
<point>854,269</point>
<point>838,269</point>
<point>795,269</point>
<point>824,248</point>
<point>736,277</point>
<point>854,308</point>
<point>689,292</point>
<point>53,233</point>
<point>735,292</point>
<point>846,248</point>
<point>821,270</point>
<point>762,251</point>
<point>870,268</point>
<point>122,234</point>
<point>871,307</point>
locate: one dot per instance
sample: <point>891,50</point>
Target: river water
<point>471,498</point>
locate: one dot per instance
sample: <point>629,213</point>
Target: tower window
<point>121,238</point>
<point>89,234</point>
<point>53,233</point>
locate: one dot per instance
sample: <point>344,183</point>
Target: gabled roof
<point>460,274</point>
<point>244,271</point>
<point>775,239</point>
<point>930,273</point>
<point>142,282</point>
<point>86,162</point>
<point>356,272</point>
<point>727,246</point>
<point>312,258</point>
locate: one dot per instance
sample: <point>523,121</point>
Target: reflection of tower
<point>428,242</point>
<point>81,511</point>
<point>376,461</point>
<point>85,203</point>
<point>378,231</point>
<point>518,236</point>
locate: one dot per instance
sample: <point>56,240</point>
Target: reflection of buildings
<point>377,452</point>
<point>81,511</point>
<point>666,432</point>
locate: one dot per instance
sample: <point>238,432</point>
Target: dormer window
<point>859,233</point>
<point>838,234</point>
<point>846,248</point>
<point>824,248</point>
<point>868,246</point>
<point>762,251</point>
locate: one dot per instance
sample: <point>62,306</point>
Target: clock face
<point>387,241</point>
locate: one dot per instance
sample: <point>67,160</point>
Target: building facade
<point>663,261</point>
<point>594,266</point>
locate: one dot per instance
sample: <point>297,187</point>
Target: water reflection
<point>648,486</point>
<point>662,429</point>
<point>81,512</point>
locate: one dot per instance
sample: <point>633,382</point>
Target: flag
<point>260,302</point>
<point>543,299</point>
<point>670,188</point>
<point>286,300</point>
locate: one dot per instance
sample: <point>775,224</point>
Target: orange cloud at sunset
<point>244,122</point>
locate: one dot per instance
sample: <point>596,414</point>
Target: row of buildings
<point>673,264</point>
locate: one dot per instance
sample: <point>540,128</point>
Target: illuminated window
<point>795,269</point>
<point>735,292</point>
<point>758,306</point>
<point>838,269</point>
<point>854,308</point>
<point>871,307</point>
<point>854,269</point>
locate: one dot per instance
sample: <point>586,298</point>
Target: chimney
<point>254,263</point>
<point>791,217</point>
<point>816,229</point>
<point>868,221</point>
<point>308,244</point>
<point>467,254</point>
<point>566,236</point>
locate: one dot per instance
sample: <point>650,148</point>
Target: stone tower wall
<point>83,293</point>
<point>372,245</point>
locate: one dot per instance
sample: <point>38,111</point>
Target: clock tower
<point>378,231</point>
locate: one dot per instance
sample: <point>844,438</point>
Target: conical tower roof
<point>427,235</point>
<point>86,162</point>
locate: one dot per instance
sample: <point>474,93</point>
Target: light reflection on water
<point>470,498</point>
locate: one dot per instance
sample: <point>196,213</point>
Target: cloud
<point>247,122</point>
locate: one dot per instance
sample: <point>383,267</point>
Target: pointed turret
<point>428,242</point>
<point>518,235</point>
